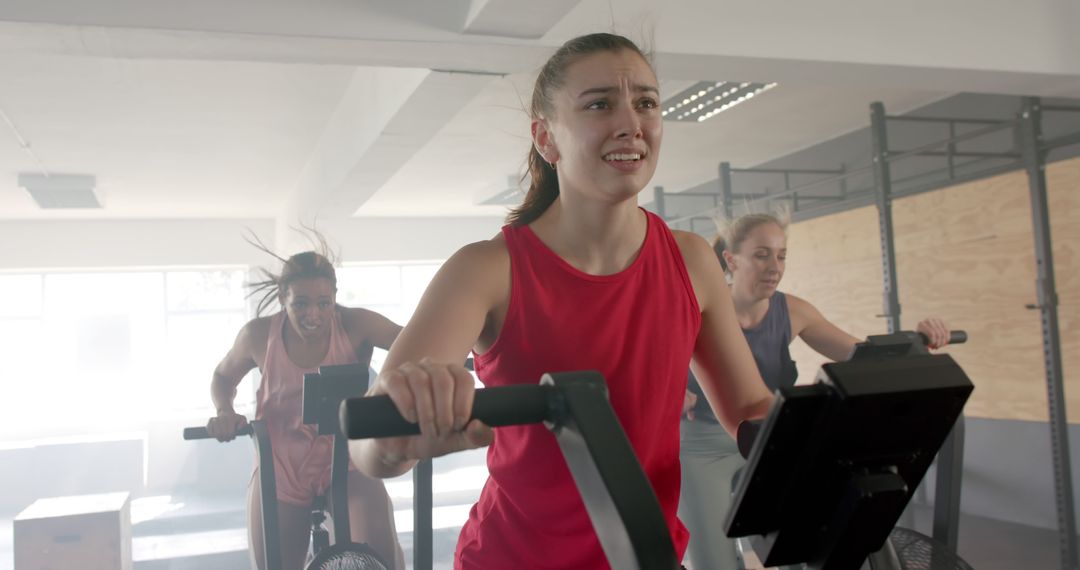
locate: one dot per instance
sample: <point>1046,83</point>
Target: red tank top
<point>638,328</point>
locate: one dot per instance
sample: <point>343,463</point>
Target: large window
<point>93,352</point>
<point>390,289</point>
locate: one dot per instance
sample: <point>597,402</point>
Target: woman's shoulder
<point>796,304</point>
<point>694,249</point>
<point>479,261</point>
<point>801,312</point>
<point>492,250</point>
<point>257,331</point>
<point>703,268</point>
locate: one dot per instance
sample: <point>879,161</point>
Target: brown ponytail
<point>543,190</point>
<point>718,246</point>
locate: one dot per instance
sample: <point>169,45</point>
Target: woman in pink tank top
<point>311,331</point>
<point>580,278</point>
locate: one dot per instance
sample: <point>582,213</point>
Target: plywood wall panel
<point>966,254</point>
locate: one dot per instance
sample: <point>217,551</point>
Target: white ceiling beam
<point>368,104</point>
<point>385,117</point>
<point>1032,37</point>
<point>525,19</point>
<point>431,107</point>
<point>506,57</point>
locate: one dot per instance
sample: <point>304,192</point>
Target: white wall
<point>41,244</point>
<point>136,243</point>
<point>405,239</point>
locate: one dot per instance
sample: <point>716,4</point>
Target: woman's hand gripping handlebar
<point>427,408</point>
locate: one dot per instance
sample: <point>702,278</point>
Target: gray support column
<point>658,199</point>
<point>883,196</point>
<point>423,503</point>
<point>725,189</point>
<point>950,471</point>
<point>794,195</point>
<point>1035,164</point>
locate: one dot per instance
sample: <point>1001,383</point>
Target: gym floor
<point>208,534</point>
<point>991,544</point>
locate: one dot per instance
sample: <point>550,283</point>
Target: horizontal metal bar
<point>1060,108</point>
<point>704,214</point>
<point>743,196</point>
<point>800,198</point>
<point>943,142</point>
<point>823,181</point>
<point>736,196</point>
<point>864,196</point>
<point>1061,141</point>
<point>694,194</point>
<point>945,120</point>
<point>785,171</point>
<point>966,154</point>
<point>800,188</point>
<point>855,200</point>
<point>968,177</point>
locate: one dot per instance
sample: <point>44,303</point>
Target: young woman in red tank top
<point>311,330</point>
<point>580,278</point>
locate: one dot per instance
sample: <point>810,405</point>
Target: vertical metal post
<point>950,150</point>
<point>423,558</point>
<point>658,199</point>
<point>1035,164</point>
<point>883,195</point>
<point>950,469</point>
<point>843,182</point>
<point>725,189</point>
<point>795,196</point>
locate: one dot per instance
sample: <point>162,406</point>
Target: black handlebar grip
<point>201,433</point>
<point>196,433</point>
<point>377,416</point>
<point>955,337</point>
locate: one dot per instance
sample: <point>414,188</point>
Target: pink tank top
<point>638,328</point>
<point>301,456</point>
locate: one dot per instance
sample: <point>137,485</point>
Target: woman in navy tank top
<point>580,278</point>
<point>752,252</point>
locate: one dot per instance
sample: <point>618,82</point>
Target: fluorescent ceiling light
<point>57,191</point>
<point>706,99</point>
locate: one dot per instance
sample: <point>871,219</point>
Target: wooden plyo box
<point>88,532</point>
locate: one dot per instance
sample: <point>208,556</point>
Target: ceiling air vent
<point>58,191</point>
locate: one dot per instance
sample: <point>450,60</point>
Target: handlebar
<point>955,337</point>
<point>201,433</point>
<point>377,416</point>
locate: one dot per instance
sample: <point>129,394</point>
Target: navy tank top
<point>768,342</point>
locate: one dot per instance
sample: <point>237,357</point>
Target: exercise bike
<point>323,393</point>
<point>834,464</point>
<point>854,501</point>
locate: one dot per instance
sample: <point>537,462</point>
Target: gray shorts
<point>709,458</point>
